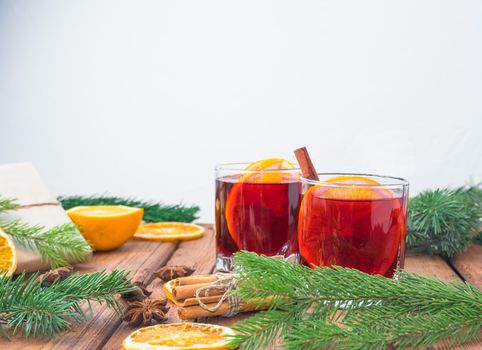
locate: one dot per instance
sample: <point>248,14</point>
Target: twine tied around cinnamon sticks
<point>226,282</point>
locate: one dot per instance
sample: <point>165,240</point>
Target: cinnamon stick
<point>199,279</point>
<point>195,301</point>
<point>192,312</point>
<point>307,168</point>
<point>189,291</point>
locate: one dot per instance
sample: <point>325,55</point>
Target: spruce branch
<point>477,238</point>
<point>342,308</point>
<point>7,204</point>
<point>35,310</point>
<point>153,211</point>
<point>98,286</point>
<point>58,245</point>
<point>262,329</point>
<point>471,194</point>
<point>443,222</point>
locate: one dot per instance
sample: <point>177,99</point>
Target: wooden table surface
<point>104,329</point>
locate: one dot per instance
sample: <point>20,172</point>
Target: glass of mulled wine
<point>257,208</point>
<point>354,220</point>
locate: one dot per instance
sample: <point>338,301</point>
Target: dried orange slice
<point>169,231</point>
<point>167,289</point>
<point>106,227</point>
<point>179,336</point>
<point>8,254</point>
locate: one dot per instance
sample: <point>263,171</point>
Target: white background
<point>143,98</point>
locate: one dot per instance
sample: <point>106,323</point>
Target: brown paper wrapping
<point>22,181</point>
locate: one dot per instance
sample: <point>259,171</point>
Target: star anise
<point>144,312</point>
<point>59,274</point>
<point>138,294</point>
<point>168,273</point>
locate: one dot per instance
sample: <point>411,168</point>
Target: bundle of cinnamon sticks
<point>182,292</point>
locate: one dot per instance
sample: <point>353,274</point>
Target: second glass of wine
<point>354,220</point>
<point>257,210</point>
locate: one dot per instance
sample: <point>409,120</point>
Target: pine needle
<point>153,211</point>
<point>28,307</point>
<point>443,222</point>
<point>58,245</point>
<point>7,204</point>
<point>341,308</point>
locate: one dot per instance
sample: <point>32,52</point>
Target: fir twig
<point>477,238</point>
<point>27,306</point>
<point>7,204</point>
<point>153,212</point>
<point>58,245</point>
<point>341,308</point>
<point>442,222</point>
<point>471,194</point>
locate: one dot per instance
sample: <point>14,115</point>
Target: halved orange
<point>179,336</point>
<point>169,231</point>
<point>106,227</point>
<point>8,254</point>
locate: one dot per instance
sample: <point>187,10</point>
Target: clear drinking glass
<point>354,220</point>
<point>256,211</point>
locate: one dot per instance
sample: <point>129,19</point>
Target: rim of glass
<point>397,181</point>
<point>239,167</point>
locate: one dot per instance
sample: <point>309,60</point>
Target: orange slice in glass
<point>179,336</point>
<point>264,172</point>
<point>352,187</point>
<point>169,231</point>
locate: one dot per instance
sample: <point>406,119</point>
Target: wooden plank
<point>105,330</point>
<point>469,265</point>
<point>436,267</point>
<point>430,266</point>
<point>199,253</point>
<point>133,256</point>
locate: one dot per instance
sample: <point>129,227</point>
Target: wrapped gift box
<point>39,207</point>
